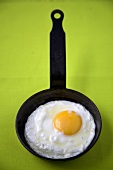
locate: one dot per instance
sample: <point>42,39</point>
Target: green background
<point>24,70</point>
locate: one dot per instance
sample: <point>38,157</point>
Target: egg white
<point>47,141</point>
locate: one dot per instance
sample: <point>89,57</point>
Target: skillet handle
<point>57,52</point>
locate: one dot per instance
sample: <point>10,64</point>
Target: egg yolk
<point>68,122</point>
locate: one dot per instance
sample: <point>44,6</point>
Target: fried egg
<point>60,129</point>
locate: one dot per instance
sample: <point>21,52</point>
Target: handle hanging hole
<point>57,16</point>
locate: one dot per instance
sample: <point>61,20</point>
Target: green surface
<point>24,70</point>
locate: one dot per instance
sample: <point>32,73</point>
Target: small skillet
<point>57,90</point>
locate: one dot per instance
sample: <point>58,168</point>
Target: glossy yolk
<point>68,122</point>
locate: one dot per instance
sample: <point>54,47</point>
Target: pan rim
<point>59,90</point>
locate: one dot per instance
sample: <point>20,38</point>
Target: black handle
<point>57,52</point>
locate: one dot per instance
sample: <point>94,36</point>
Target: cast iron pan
<point>58,90</point>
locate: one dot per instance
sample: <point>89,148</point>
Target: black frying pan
<point>58,90</point>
